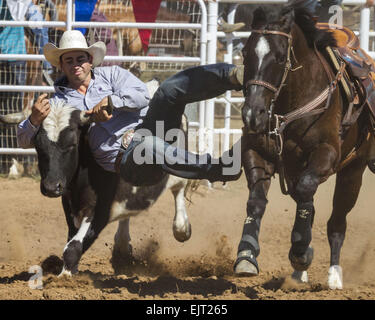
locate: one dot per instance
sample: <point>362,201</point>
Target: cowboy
<point>87,86</point>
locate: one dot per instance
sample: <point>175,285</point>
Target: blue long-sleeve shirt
<point>130,98</point>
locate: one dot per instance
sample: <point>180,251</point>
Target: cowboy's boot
<point>228,27</point>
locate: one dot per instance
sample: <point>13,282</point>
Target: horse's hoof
<point>246,264</point>
<point>246,269</point>
<point>301,263</point>
<point>335,277</point>
<point>300,276</point>
<point>182,234</point>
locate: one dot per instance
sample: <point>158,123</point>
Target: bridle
<point>275,90</point>
<point>288,66</point>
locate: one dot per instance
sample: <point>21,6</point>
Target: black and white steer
<point>93,197</point>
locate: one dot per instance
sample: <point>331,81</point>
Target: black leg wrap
<point>301,234</point>
<point>301,263</point>
<point>300,254</point>
<point>249,240</point>
<point>248,248</point>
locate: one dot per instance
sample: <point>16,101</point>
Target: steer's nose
<point>51,189</point>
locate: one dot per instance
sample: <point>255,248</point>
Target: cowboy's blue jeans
<point>149,157</point>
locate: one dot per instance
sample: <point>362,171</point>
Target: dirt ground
<point>33,232</point>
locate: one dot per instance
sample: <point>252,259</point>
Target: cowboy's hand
<point>40,110</point>
<point>99,112</point>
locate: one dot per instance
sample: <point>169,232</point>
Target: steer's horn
<point>13,118</point>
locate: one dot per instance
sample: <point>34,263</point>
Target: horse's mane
<point>321,38</point>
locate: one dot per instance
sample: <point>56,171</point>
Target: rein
<point>309,109</point>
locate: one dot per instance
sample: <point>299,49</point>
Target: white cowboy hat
<point>74,40</point>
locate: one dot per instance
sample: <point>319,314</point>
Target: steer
<point>92,197</point>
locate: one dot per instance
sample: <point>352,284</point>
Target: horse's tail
<point>371,155</point>
<point>371,165</point>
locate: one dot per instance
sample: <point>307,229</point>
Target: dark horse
<point>292,118</point>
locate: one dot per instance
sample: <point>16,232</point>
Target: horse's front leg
<point>320,166</point>
<point>258,174</point>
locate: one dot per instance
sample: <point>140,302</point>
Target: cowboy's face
<point>76,65</point>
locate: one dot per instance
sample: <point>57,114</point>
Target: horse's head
<point>267,62</point>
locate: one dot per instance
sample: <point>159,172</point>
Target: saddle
<point>358,81</point>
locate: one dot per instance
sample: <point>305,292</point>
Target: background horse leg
<point>348,184</point>
<point>181,223</point>
<point>258,175</point>
<point>122,253</point>
<point>321,162</point>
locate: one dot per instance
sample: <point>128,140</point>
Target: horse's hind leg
<point>258,178</point>
<point>348,184</point>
